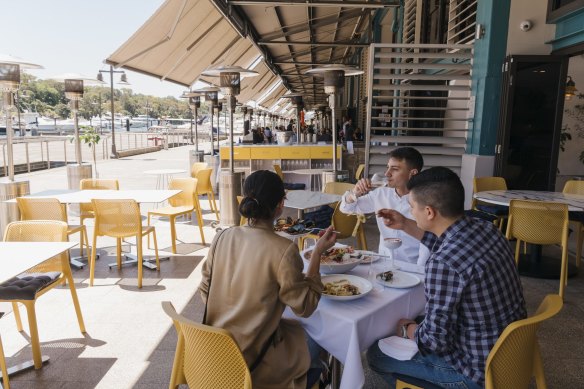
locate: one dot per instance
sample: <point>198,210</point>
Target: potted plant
<point>90,137</point>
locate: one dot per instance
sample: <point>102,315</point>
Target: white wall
<point>532,41</point>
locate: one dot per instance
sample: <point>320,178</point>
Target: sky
<point>75,36</point>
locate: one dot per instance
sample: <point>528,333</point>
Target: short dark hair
<point>413,158</point>
<point>263,191</point>
<point>440,188</point>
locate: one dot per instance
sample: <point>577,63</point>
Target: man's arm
<point>360,200</point>
<point>397,221</point>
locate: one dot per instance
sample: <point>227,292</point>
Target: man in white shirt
<point>404,162</point>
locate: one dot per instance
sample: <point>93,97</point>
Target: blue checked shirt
<point>472,292</point>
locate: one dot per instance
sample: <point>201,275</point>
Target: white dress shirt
<point>411,250</point>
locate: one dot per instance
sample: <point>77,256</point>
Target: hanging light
<point>570,89</point>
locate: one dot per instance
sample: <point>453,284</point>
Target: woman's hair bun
<point>250,208</point>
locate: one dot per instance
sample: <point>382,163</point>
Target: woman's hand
<point>326,241</point>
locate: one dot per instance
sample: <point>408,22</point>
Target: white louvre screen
<point>462,16</point>
<point>418,95</point>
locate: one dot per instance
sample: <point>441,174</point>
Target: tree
<point>90,137</point>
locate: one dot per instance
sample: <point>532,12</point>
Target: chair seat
<point>415,381</point>
<point>169,211</point>
<point>499,210</point>
<point>26,286</point>
<point>124,233</point>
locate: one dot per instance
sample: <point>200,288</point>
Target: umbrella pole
<point>8,103</point>
<point>196,131</point>
<point>333,104</point>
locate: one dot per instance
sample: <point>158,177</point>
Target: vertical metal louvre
<point>418,96</point>
<point>462,17</point>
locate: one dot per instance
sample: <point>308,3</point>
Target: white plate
<point>367,256</point>
<point>400,280</point>
<point>332,268</point>
<point>361,283</point>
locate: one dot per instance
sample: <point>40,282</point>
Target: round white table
<point>163,176</point>
<point>315,183</point>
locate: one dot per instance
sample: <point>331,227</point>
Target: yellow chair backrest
<point>117,218</point>
<point>99,184</point>
<point>338,188</point>
<point>196,167</point>
<point>538,222</point>
<point>41,209</point>
<point>515,357</point>
<point>40,231</point>
<point>188,188</point>
<point>345,224</point>
<point>359,172</point>
<point>574,187</point>
<point>204,181</point>
<point>278,170</point>
<point>481,184</point>
<point>206,357</point>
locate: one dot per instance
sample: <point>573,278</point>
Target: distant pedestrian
<point>268,134</point>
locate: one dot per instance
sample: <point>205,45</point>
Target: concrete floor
<point>130,342</point>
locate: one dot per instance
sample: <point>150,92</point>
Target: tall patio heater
<point>195,104</point>
<point>334,81</point>
<point>229,181</point>
<point>74,84</point>
<point>296,100</point>
<point>211,95</point>
<point>9,189</point>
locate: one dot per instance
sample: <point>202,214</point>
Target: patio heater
<point>74,92</point>
<point>296,99</point>
<point>9,189</point>
<point>230,181</point>
<point>334,82</point>
<point>211,94</point>
<point>195,104</point>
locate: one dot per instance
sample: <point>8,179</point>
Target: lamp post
<point>334,81</point>
<point>123,81</point>
<point>230,182</point>
<point>10,68</point>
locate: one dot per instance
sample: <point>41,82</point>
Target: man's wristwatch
<point>404,330</point>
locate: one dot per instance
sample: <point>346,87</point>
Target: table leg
<point>534,264</point>
<point>24,366</point>
<point>335,373</point>
<point>301,214</point>
<point>133,260</point>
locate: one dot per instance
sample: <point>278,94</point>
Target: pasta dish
<point>340,288</point>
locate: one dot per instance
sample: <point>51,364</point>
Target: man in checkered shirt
<point>472,287</point>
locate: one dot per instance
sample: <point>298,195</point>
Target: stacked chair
<point>204,187</point>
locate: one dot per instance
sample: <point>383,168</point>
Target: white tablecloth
<point>346,328</point>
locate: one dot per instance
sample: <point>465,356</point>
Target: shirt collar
<point>452,230</point>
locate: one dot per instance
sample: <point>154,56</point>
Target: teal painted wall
<point>569,30</point>
<point>489,54</point>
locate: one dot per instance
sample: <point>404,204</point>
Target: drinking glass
<point>392,244</point>
<point>378,180</point>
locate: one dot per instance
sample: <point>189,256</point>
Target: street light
<point>123,81</point>
<point>334,81</point>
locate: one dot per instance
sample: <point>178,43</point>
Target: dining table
<point>164,176</point>
<point>534,264</point>
<point>72,196</point>
<point>18,257</point>
<point>347,328</point>
<point>302,200</point>
<point>315,176</point>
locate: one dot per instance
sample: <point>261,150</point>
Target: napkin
<point>398,348</point>
<point>409,267</point>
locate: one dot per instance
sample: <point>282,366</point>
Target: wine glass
<point>392,244</point>
<point>378,180</point>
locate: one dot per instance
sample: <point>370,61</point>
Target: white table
<point>163,176</point>
<point>18,257</point>
<point>314,184</point>
<point>347,328</point>
<point>306,199</point>
<point>504,197</point>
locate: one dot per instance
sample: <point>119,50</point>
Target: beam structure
<point>315,44</point>
<point>318,3</point>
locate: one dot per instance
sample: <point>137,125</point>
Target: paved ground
<point>130,342</point>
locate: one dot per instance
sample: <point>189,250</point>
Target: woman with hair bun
<point>251,274</point>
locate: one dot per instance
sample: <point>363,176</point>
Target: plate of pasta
<point>344,287</point>
<point>337,259</point>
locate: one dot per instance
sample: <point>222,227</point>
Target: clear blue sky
<point>75,36</point>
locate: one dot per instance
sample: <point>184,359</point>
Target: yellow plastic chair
<point>57,268</point>
<point>120,219</point>
<point>197,167</point>
<point>86,210</point>
<point>204,187</point>
<point>481,184</point>
<point>516,356</point>
<point>542,223</point>
<point>242,219</point>
<point>577,218</point>
<point>181,204</point>
<point>3,367</point>
<point>51,209</point>
<point>205,357</point>
<point>338,188</point>
<point>359,172</point>
<point>278,170</point>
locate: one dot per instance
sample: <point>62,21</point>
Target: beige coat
<point>255,275</point>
